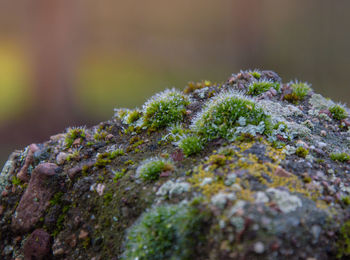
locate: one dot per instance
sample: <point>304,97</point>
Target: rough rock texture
<point>35,199</point>
<point>37,246</point>
<point>251,168</point>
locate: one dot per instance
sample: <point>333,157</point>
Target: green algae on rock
<point>250,168</point>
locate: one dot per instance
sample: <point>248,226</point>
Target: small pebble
<point>259,248</point>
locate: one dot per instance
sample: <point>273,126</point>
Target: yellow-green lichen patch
<point>211,176</point>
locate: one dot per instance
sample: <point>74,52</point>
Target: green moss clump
<point>164,109</point>
<point>72,134</point>
<point>338,112</point>
<point>343,243</point>
<point>225,112</point>
<point>301,152</point>
<point>150,169</point>
<point>340,157</point>
<point>133,116</point>
<point>16,181</point>
<point>346,200</point>
<point>299,92</point>
<point>191,144</point>
<point>259,87</point>
<point>256,74</point>
<point>165,232</point>
<point>118,152</point>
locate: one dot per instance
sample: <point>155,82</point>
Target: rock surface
<point>251,168</point>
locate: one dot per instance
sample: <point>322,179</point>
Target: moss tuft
<point>338,112</point>
<point>301,152</point>
<point>223,114</point>
<point>190,144</point>
<point>165,232</point>
<point>343,243</point>
<point>258,87</point>
<point>72,134</point>
<point>150,169</point>
<point>299,92</point>
<point>340,157</point>
<point>133,116</point>
<point>164,109</point>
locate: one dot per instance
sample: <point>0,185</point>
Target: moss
<point>340,157</point>
<point>165,232</point>
<point>60,220</point>
<point>164,109</point>
<point>191,144</point>
<point>343,243</point>
<point>192,86</point>
<point>256,74</point>
<point>259,87</point>
<point>150,169</point>
<point>117,152</point>
<point>16,181</point>
<point>107,198</point>
<point>73,156</point>
<point>299,92</point>
<point>133,116</point>
<point>301,152</point>
<point>129,162</point>
<point>224,113</point>
<point>103,159</point>
<point>338,112</point>
<point>56,199</point>
<point>74,133</point>
<point>100,135</point>
<point>118,175</point>
<point>346,200</point>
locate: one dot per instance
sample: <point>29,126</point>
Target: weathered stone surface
<point>37,246</point>
<point>35,199</point>
<point>23,173</point>
<point>212,183</point>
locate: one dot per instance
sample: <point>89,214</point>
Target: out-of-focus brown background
<point>65,62</point>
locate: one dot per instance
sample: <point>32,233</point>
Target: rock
<point>35,199</point>
<point>259,248</point>
<point>282,172</point>
<point>37,246</point>
<point>83,234</point>
<point>23,173</point>
<point>239,193</point>
<point>61,158</point>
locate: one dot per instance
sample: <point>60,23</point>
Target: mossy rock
<point>249,168</point>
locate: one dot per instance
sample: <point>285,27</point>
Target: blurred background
<point>66,63</point>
